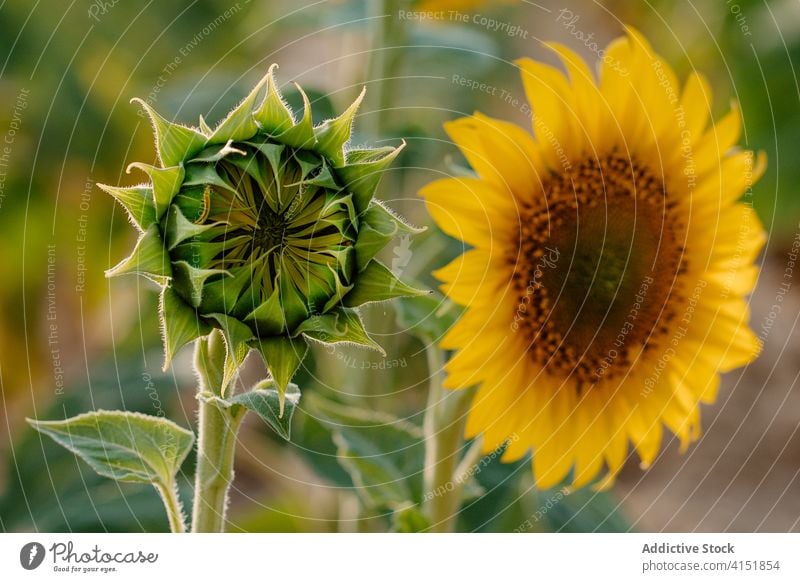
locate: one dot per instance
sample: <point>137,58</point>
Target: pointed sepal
<point>363,171</point>
<point>166,183</point>
<point>378,283</point>
<point>180,324</point>
<point>137,202</point>
<point>174,142</point>
<point>218,152</point>
<point>273,115</point>
<point>149,258</point>
<point>301,134</point>
<point>192,280</point>
<point>209,362</point>
<point>378,225</point>
<point>341,325</point>
<point>283,356</point>
<point>179,228</point>
<point>333,134</point>
<point>268,317</point>
<point>240,124</point>
<point>236,336</point>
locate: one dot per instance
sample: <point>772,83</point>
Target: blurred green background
<point>70,340</point>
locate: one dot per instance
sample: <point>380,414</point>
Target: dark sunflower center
<point>600,258</point>
<point>271,231</point>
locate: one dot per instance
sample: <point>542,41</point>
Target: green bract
<point>264,228</point>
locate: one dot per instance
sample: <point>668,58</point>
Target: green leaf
<point>174,142</point>
<point>283,356</point>
<point>180,324</point>
<point>382,454</point>
<point>275,407</point>
<point>149,258</point>
<point>378,283</point>
<point>273,115</point>
<point>137,202</point>
<point>166,183</point>
<point>333,134</point>
<point>126,446</point>
<point>339,325</point>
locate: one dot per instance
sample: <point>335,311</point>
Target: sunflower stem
<point>445,417</point>
<point>172,503</point>
<point>214,474</point>
<point>216,439</point>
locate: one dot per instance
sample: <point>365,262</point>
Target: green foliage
<point>126,446</point>
<point>274,406</point>
<point>50,489</point>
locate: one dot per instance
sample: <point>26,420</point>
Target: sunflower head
<point>611,256</point>
<point>264,228</point>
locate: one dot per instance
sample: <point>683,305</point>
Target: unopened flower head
<point>265,228</point>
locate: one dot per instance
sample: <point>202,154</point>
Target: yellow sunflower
<point>604,289</point>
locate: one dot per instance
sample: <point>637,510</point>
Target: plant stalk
<point>214,474</point>
<point>172,503</point>
<point>445,417</point>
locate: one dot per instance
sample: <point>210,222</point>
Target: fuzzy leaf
<point>339,325</point>
<point>240,124</point>
<point>273,115</point>
<point>180,324</point>
<point>149,258</point>
<point>333,134</point>
<point>166,183</point>
<point>378,283</point>
<point>137,202</point>
<point>126,446</point>
<point>276,408</point>
<point>283,357</point>
<point>363,171</point>
<point>174,142</point>
<point>236,335</point>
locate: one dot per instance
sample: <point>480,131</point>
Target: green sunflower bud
<point>264,228</point>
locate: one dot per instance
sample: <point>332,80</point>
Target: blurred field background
<point>70,340</point>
